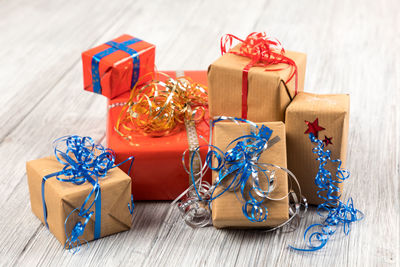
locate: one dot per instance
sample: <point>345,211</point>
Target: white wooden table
<point>352,47</point>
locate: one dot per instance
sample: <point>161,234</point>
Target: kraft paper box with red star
<point>327,118</point>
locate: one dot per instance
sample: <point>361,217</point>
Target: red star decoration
<point>313,128</point>
<point>327,140</point>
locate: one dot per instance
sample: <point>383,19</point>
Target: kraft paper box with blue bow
<point>62,198</point>
<point>227,209</point>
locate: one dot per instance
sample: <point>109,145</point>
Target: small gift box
<point>228,209</point>
<point>158,171</point>
<point>255,80</point>
<point>116,66</point>
<point>327,118</point>
<point>82,208</point>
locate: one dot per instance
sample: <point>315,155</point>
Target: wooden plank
<point>41,41</point>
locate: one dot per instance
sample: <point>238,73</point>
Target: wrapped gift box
<point>114,67</point>
<point>332,112</point>
<point>158,173</point>
<point>268,94</point>
<point>62,198</point>
<point>227,209</point>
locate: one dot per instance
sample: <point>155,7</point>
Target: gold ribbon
<point>161,106</point>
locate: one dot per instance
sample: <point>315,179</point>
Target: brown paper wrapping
<point>268,94</point>
<point>332,112</point>
<point>62,197</point>
<point>227,209</point>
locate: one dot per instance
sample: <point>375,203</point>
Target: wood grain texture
<point>352,47</point>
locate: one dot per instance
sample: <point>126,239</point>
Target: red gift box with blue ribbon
<point>113,68</point>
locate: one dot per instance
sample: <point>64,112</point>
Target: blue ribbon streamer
<point>114,46</point>
<point>333,210</point>
<point>83,161</point>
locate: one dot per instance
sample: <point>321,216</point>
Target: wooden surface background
<point>352,47</point>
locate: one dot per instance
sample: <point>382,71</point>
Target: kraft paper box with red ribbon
<point>113,68</point>
<point>62,198</point>
<point>227,209</point>
<point>158,173</point>
<point>327,118</point>
<point>256,80</point>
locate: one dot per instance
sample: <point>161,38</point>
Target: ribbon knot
<point>257,46</point>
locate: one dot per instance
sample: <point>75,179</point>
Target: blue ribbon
<point>83,161</point>
<point>114,46</point>
<point>131,206</point>
<point>334,211</point>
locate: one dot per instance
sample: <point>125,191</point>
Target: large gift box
<point>227,209</point>
<point>114,67</point>
<point>325,116</point>
<point>266,94</point>
<point>158,174</point>
<point>62,198</point>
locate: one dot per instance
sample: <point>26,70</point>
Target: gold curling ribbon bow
<point>162,106</point>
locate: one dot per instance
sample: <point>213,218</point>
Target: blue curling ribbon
<point>131,206</point>
<point>114,46</point>
<point>334,211</point>
<point>83,161</point>
<point>240,169</point>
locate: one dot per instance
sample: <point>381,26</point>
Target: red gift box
<point>157,172</point>
<point>113,68</point>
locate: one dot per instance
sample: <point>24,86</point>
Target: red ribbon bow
<point>263,51</point>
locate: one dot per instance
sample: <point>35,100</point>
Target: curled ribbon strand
<point>162,106</point>
<point>238,169</point>
<point>84,161</point>
<point>333,211</point>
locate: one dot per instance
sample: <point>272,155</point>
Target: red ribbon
<point>263,51</point>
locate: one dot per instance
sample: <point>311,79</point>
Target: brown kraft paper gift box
<point>63,197</point>
<point>332,112</point>
<point>268,94</point>
<point>227,209</point>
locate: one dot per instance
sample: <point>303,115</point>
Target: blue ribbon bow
<point>83,161</point>
<point>114,46</point>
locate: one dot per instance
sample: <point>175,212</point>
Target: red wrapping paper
<point>157,172</point>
